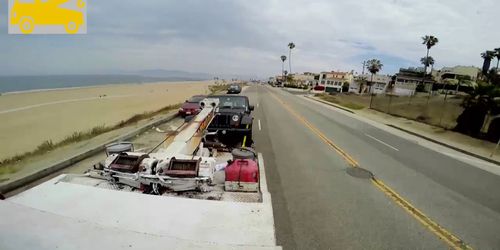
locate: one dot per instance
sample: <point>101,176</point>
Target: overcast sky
<point>247,37</point>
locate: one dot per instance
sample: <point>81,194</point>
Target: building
<point>379,84</point>
<point>406,80</point>
<point>306,78</point>
<point>277,80</point>
<point>466,76</point>
<point>470,72</point>
<point>333,81</point>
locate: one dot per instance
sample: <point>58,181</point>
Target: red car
<point>191,106</point>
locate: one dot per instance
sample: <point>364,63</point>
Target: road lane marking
<point>341,152</point>
<point>443,234</point>
<point>260,128</point>
<point>452,240</point>
<point>382,142</point>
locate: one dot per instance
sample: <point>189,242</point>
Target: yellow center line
<point>450,239</point>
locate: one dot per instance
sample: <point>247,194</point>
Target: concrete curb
<point>446,145</point>
<point>12,185</point>
<point>331,104</point>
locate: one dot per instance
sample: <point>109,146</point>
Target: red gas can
<point>242,175</point>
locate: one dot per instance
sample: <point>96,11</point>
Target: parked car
<point>191,106</point>
<point>319,88</point>
<point>234,89</point>
<point>232,123</point>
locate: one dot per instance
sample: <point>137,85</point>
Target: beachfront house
<point>305,79</point>
<point>406,80</point>
<point>451,77</point>
<point>379,84</point>
<point>334,80</point>
<point>279,80</point>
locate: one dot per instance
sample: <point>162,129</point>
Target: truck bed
<point>95,214</point>
<point>215,192</point>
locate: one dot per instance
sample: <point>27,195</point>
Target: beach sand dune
<point>28,119</point>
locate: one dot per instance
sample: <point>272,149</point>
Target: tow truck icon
<point>30,13</point>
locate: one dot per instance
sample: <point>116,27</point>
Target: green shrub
<point>45,146</point>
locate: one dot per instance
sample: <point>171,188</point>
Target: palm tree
<point>291,46</point>
<point>428,61</point>
<point>374,66</point>
<point>429,42</point>
<point>283,59</point>
<point>487,56</point>
<point>497,54</point>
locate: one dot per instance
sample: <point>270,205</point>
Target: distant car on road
<point>234,89</point>
<point>191,106</point>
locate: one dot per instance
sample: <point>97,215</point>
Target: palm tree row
<point>283,58</point>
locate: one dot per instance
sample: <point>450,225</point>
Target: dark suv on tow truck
<point>232,123</point>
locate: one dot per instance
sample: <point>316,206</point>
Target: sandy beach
<point>28,119</point>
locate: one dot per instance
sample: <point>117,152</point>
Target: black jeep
<point>232,123</point>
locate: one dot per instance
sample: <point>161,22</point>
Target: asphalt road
<point>318,205</point>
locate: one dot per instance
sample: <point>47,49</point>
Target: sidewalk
<point>460,142</point>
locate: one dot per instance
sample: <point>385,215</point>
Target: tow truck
<point>188,192</point>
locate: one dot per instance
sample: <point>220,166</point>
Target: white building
<point>406,81</point>
<point>333,81</point>
<point>306,78</point>
<point>453,72</point>
<point>378,86</point>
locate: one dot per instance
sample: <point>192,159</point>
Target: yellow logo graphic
<point>28,14</point>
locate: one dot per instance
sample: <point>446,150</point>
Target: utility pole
<point>364,65</point>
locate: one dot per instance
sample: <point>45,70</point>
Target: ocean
<point>27,83</point>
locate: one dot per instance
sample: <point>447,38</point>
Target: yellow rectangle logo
<point>47,17</point>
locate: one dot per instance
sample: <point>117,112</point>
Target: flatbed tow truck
<point>189,194</point>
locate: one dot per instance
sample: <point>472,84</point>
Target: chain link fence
<point>437,110</point>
